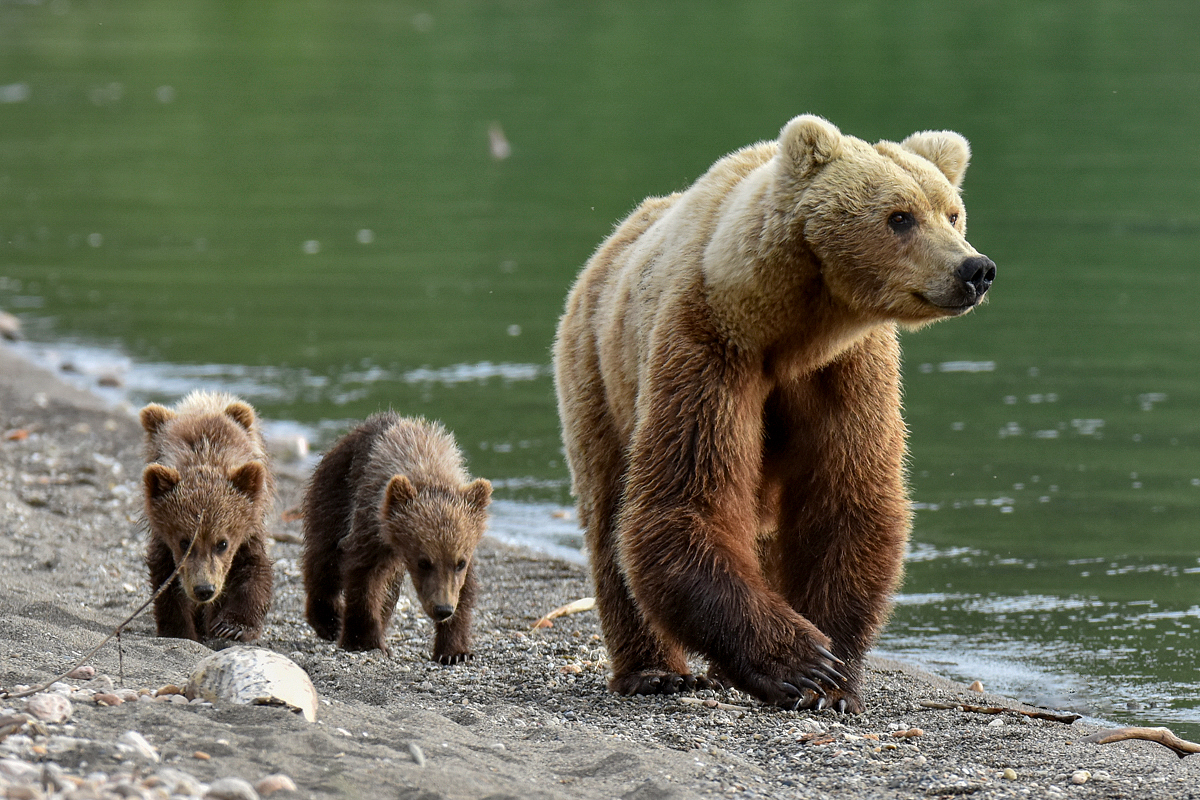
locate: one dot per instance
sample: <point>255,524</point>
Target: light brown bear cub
<point>208,477</point>
<point>728,375</point>
<point>392,496</point>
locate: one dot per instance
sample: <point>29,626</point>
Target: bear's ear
<point>153,416</point>
<point>159,479</point>
<point>249,478</point>
<point>400,492</point>
<point>478,493</point>
<point>241,413</point>
<point>808,143</point>
<point>946,150</point>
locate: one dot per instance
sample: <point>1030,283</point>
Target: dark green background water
<point>300,201</point>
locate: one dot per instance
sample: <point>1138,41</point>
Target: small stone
<point>101,683</point>
<point>570,669</point>
<point>82,672</point>
<point>976,686</point>
<point>1101,775</point>
<point>230,789</point>
<point>107,699</point>
<point>200,755</point>
<point>275,783</point>
<point>1080,776</point>
<point>128,695</point>
<point>996,723</point>
<point>19,771</point>
<point>138,745</point>
<point>25,792</point>
<point>418,755</point>
<point>52,708</point>
<point>1010,774</point>
<point>170,688</point>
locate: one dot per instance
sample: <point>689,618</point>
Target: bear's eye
<point>461,565</point>
<point>222,546</point>
<point>424,564</point>
<point>953,219</point>
<point>901,221</point>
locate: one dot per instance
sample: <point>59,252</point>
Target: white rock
<point>53,708</point>
<point>19,771</point>
<point>134,742</point>
<point>230,789</point>
<point>1080,776</point>
<point>254,676</point>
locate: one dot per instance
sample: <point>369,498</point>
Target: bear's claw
<point>661,683</point>
<point>450,659</point>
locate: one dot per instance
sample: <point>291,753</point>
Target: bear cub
<point>207,477</point>
<point>393,496</point>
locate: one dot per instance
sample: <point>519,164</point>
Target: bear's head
<point>885,222</point>
<point>213,506</point>
<point>436,529</point>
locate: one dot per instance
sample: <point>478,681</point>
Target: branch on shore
<point>582,604</point>
<point>1050,715</point>
<point>1163,736</point>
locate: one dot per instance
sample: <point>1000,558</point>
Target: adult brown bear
<point>728,377</point>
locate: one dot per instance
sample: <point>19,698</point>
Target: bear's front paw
<point>236,631</point>
<point>450,659</point>
<point>811,680</point>
<point>659,682</point>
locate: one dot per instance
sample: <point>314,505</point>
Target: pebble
<point>82,672</point>
<point>52,708</point>
<point>230,789</point>
<point>1080,776</point>
<point>18,771</point>
<point>1010,774</point>
<point>418,755</point>
<point>976,686</point>
<point>275,783</point>
<point>107,699</point>
<point>138,745</point>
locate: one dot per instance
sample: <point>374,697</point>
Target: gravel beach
<point>529,717</point>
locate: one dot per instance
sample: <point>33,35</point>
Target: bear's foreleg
<point>239,612</point>
<point>452,637</point>
<point>368,576</point>
<point>688,530</point>
<point>173,611</point>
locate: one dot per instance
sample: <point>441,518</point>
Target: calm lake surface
<point>333,208</point>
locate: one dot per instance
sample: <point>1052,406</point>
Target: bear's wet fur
<point>208,478</point>
<point>392,496</point>
<point>728,378</point>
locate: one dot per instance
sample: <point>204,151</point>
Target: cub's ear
<point>241,413</point>
<point>948,151</point>
<point>159,479</point>
<point>249,478</point>
<point>400,492</point>
<point>808,143</point>
<point>153,416</point>
<point>478,493</point>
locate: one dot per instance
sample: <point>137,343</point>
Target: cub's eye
<point>953,219</point>
<point>222,546</point>
<point>901,221</point>
<point>461,565</point>
<point>424,565</point>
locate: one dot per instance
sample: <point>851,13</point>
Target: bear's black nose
<point>204,592</point>
<point>443,612</point>
<point>977,272</point>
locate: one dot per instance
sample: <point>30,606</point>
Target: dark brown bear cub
<point>207,478</point>
<point>392,495</point>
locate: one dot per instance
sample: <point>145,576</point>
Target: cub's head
<point>885,221</point>
<point>217,507</point>
<point>436,529</point>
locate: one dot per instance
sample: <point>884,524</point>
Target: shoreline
<point>529,717</point>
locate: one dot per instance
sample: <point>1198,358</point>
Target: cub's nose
<point>978,272</point>
<point>204,592</point>
<point>443,612</point>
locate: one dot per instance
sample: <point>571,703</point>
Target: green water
<point>304,202</point>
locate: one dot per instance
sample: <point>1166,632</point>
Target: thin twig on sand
<point>116,634</point>
<point>1163,736</point>
<point>700,701</point>
<point>1050,715</point>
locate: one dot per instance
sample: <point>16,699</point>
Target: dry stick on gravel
<point>574,607</point>
<point>700,701</point>
<point>1163,736</point>
<point>1067,718</point>
<point>5,695</point>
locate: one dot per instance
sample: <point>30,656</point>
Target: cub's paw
<point>450,659</point>
<point>361,644</point>
<point>236,631</point>
<point>659,682</point>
